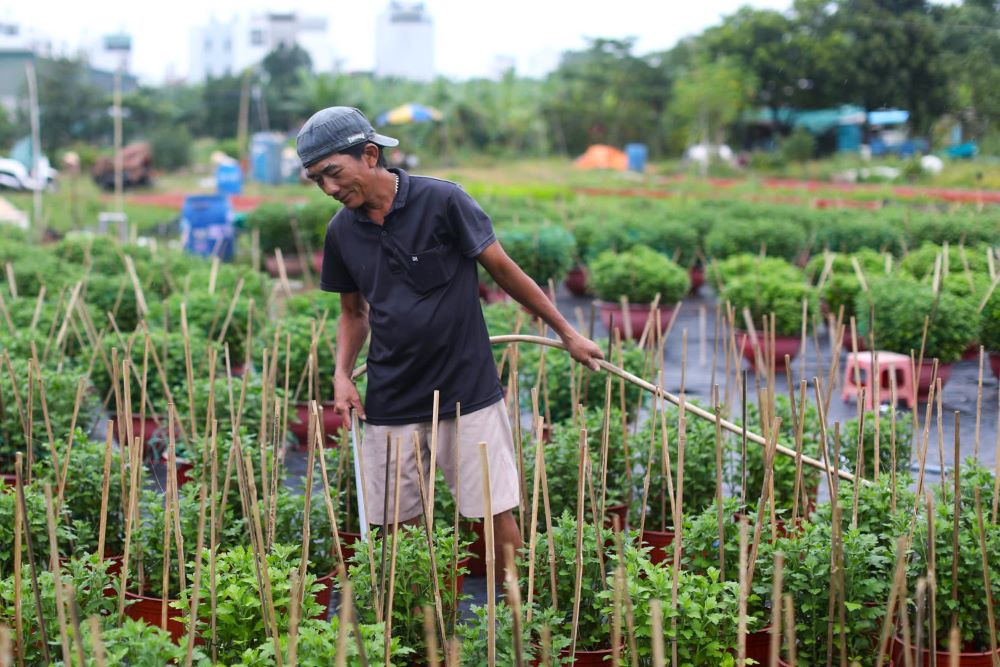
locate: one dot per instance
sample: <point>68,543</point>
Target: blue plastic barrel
<point>265,158</point>
<point>229,179</point>
<point>636,154</point>
<point>207,226</point>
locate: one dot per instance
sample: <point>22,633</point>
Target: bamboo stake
<point>97,644</point>
<point>932,573</point>
<point>454,544</point>
<point>105,486</point>
<point>744,587</point>
<point>788,605</point>
<point>720,511</point>
<point>986,579</point>
<point>979,402</point>
<point>582,469</point>
<point>491,649</point>
<point>388,613</point>
<point>533,529</point>
<point>897,592</point>
<point>196,586</point>
<point>26,525</point>
<point>135,462</point>
<point>56,574</point>
<point>776,594</point>
<point>954,535</point>
<point>433,463</point>
<point>656,620</point>
<point>429,532</point>
<point>18,616</point>
<point>513,593</point>
<point>678,513</point>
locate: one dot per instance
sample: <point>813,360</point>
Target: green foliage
<point>594,625</point>
<point>989,325</point>
<point>849,234</point>
<point>738,266</point>
<point>562,456</point>
<point>900,308</point>
<point>707,613</point>
<point>81,508</point>
<point>556,398</point>
<point>699,466</point>
<point>317,646</point>
<point>313,218</point>
<point>60,396</point>
<point>799,146</point>
<point>766,295</point>
<point>112,294</point>
<point>867,574</point>
<point>147,543</point>
<point>904,442</point>
<point>972,599</point>
<point>34,500</point>
<point>90,580</point>
<point>290,522</point>
<point>784,466</point>
<point>544,251</point>
<point>273,222</point>
<point>208,314</point>
<point>414,587</point>
<point>474,637</point>
<point>639,273</point>
<point>780,238</point>
<point>294,340</point>
<point>240,602</point>
<point>919,263</point>
<point>316,304</point>
<point>138,644</point>
<point>171,146</point>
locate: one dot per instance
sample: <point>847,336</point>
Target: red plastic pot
<point>148,609</point>
<point>638,314</point>
<point>659,541</point>
<point>150,429</point>
<point>332,422</point>
<point>477,564</point>
<point>184,469</point>
<point>995,364</point>
<point>323,594</point>
<point>317,260</point>
<point>347,540</point>
<point>964,659</point>
<point>599,658</point>
<point>926,373</point>
<point>697,276</point>
<point>759,646</point>
<point>621,511</point>
<point>576,281</point>
<point>8,481</point>
<point>783,345</point>
<point>293,265</point>
<point>971,352</point>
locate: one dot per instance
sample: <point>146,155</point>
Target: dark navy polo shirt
<point>418,273</point>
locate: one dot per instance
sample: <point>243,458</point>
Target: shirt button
<point>384,233</point>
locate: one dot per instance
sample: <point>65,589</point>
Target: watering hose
<point>676,400</point>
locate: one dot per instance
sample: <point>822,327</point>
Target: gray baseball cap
<point>333,129</point>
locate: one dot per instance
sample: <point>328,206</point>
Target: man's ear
<point>371,155</point>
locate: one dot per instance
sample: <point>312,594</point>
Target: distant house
<point>840,129</point>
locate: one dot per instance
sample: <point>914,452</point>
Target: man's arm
<point>352,330</point>
<point>516,282</point>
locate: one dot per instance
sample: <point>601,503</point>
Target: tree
<point>606,94</point>
<point>284,68</point>
<point>70,108</point>
<point>710,97</point>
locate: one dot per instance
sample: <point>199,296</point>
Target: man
<point>402,254</point>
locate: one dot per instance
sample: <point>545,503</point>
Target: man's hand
<point>346,398</point>
<point>584,350</point>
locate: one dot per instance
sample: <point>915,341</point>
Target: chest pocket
<point>430,269</point>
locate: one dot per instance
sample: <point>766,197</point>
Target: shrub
<point>780,237</point>
<point>736,266</point>
<point>919,263</point>
<point>799,146</point>
<point>299,328</point>
<point>171,144</point>
<point>543,251</point>
<point>317,646</point>
<point>273,223</point>
<point>765,295</point>
<point>677,239</point>
<point>989,326</point>
<point>900,308</point>
<point>313,218</point>
<point>850,234</point>
<point>207,314</point>
<point>639,274</point>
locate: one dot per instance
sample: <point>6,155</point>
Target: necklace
<point>395,187</point>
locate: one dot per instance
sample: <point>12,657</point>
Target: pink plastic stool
<point>888,362</point>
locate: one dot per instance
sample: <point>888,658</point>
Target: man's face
<point>345,178</point>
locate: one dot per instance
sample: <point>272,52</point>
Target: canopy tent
<point>601,156</point>
<point>409,113</point>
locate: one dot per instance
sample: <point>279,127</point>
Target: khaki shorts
<point>457,457</point>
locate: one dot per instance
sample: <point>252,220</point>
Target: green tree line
<point>935,60</point>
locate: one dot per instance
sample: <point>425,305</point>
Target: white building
<point>220,48</point>
<point>404,42</point>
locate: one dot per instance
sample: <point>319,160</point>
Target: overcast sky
<point>469,34</point>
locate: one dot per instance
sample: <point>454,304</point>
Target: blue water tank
<point>207,227</point>
<point>265,158</point>
<point>636,154</point>
<point>229,179</point>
